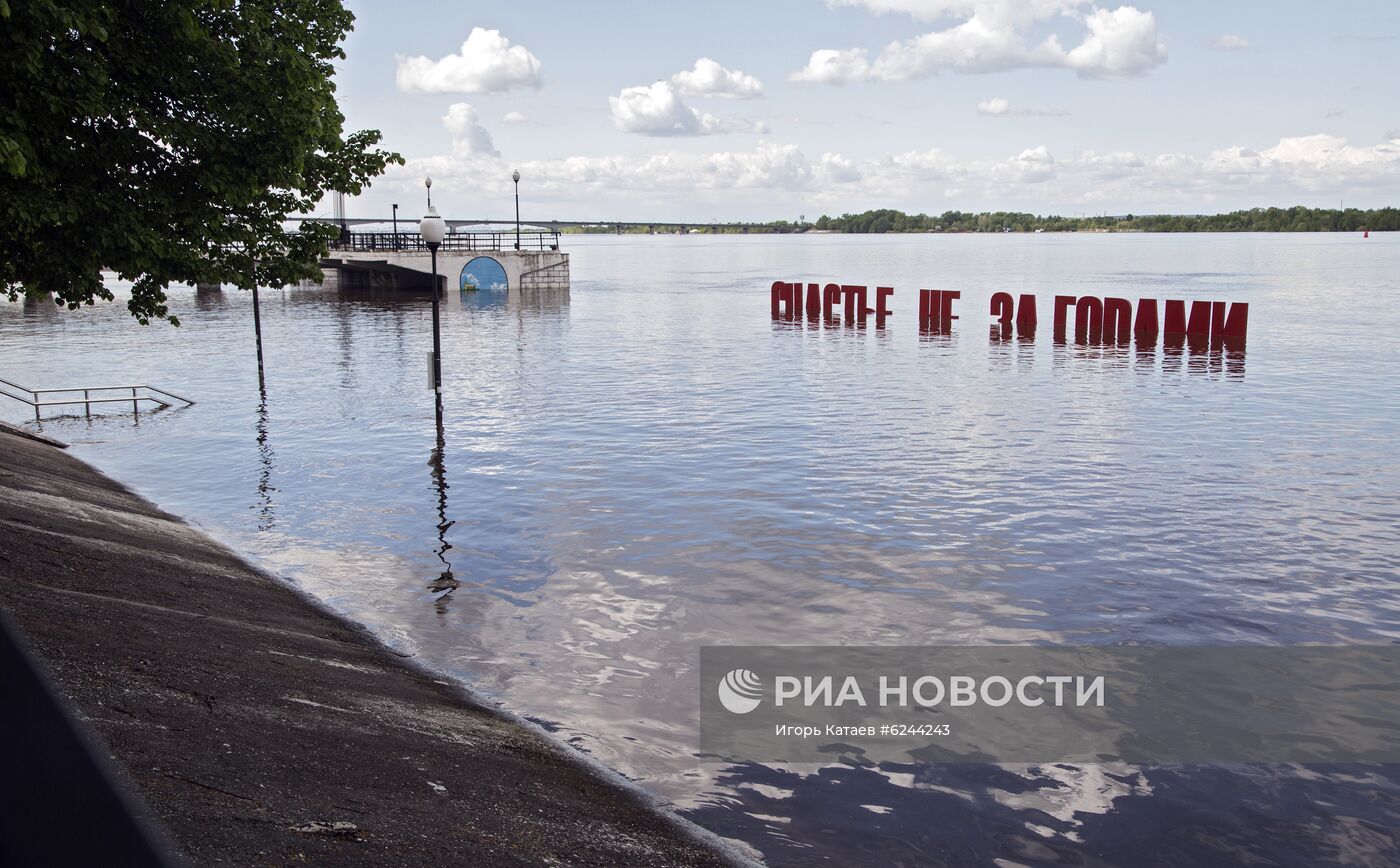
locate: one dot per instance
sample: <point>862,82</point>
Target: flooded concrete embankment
<point>260,728</point>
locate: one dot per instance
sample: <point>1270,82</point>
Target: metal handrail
<point>103,389</point>
<point>88,400</point>
<point>384,242</point>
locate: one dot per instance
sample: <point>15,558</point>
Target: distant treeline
<point>1296,219</point>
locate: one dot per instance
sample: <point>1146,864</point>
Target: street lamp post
<point>515,176</point>
<point>434,229</point>
<point>395,206</point>
<point>257,320</point>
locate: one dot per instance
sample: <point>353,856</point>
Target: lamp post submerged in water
<point>515,176</point>
<point>257,322</point>
<point>434,229</point>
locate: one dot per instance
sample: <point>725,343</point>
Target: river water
<point>648,464</point>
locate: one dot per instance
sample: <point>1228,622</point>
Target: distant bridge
<point>557,225</point>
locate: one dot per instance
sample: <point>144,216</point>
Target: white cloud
<point>487,63</point>
<point>773,175</point>
<point>708,78</point>
<point>834,66</point>
<point>514,118</point>
<point>1002,107</point>
<point>1229,42</point>
<point>1033,165</point>
<point>1120,44</point>
<point>976,45</point>
<point>839,169</point>
<point>932,10</point>
<point>766,167</point>
<point>993,38</point>
<point>1321,160</point>
<point>468,135</point>
<point>657,110</point>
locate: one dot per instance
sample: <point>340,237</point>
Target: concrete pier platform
<point>410,269</point>
<point>261,729</point>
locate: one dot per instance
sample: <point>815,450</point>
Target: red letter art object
<point>1003,308</point>
<point>1109,319</point>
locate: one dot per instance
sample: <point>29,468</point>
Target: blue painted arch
<point>483,272</point>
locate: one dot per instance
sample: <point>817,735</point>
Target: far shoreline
<point>887,221</point>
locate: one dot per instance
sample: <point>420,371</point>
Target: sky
<point>784,109</point>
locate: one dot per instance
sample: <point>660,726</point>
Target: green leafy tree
<point>168,141</point>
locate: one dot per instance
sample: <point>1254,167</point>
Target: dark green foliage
<point>1296,219</point>
<point>168,141</point>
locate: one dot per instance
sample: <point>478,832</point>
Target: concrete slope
<point>252,722</point>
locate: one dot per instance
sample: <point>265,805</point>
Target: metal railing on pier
<point>138,393</point>
<point>455,242</point>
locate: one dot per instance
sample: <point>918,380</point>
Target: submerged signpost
<point>433,230</point>
<point>257,326</point>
